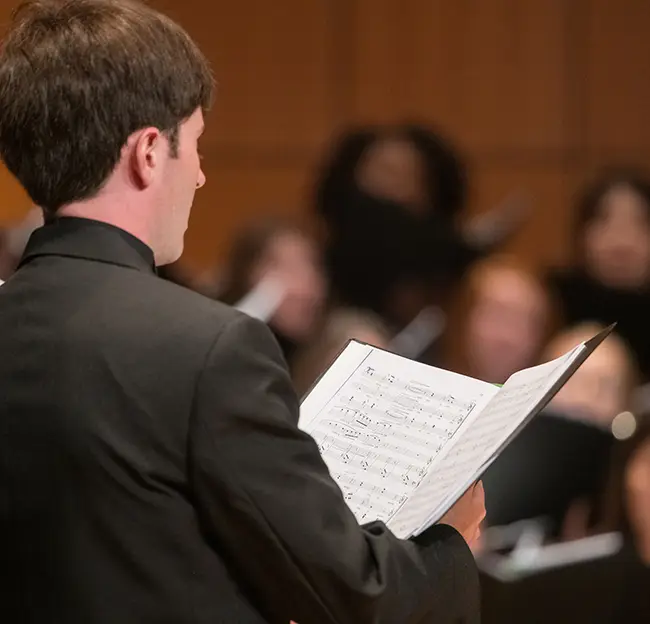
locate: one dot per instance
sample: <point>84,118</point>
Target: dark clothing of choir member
<point>582,298</point>
<point>384,243</point>
<point>151,469</point>
<point>609,277</point>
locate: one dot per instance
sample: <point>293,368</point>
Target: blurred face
<point>637,485</point>
<point>505,326</point>
<point>598,391</point>
<point>617,241</point>
<point>293,260</point>
<point>392,168</point>
<point>182,176</point>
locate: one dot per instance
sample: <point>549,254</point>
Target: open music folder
<point>404,440</point>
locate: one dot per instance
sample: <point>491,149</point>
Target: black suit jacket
<point>151,469</point>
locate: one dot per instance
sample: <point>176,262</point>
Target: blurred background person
<point>603,387</point>
<point>585,586</point>
<point>391,199</point>
<point>609,278</point>
<point>279,250</point>
<point>501,320</point>
<point>340,326</point>
<point>564,453</point>
<point>623,504</point>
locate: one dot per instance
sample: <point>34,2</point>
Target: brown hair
<point>248,249</point>
<point>77,78</point>
<point>589,206</point>
<point>454,347</point>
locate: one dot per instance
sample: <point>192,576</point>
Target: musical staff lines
<point>495,423</point>
<point>380,433</point>
<point>404,440</point>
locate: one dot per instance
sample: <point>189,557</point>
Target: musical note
<point>496,421</point>
<point>403,440</point>
<point>388,427</point>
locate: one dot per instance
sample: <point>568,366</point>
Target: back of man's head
<point>77,78</point>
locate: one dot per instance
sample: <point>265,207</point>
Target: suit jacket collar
<point>74,237</point>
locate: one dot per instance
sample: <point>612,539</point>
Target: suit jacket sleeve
<point>271,507</point>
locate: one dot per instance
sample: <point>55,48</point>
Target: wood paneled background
<point>537,93</point>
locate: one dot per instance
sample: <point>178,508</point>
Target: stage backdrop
<point>538,93</point>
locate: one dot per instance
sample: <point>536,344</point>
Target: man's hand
<point>468,513</point>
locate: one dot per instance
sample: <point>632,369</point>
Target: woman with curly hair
<point>390,198</point>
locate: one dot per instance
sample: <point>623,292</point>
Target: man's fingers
<point>479,497</point>
<point>479,492</point>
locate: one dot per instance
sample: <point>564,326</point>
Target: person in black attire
<point>151,465</point>
<point>563,454</point>
<point>277,248</point>
<point>609,279</point>
<point>391,199</point>
<point>585,483</point>
<point>623,505</point>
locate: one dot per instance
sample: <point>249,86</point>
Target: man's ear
<point>145,156</point>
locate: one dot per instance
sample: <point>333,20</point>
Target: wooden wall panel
<point>511,59</point>
<point>233,196</point>
<point>617,89</point>
<point>538,93</point>
<point>544,238</point>
<point>380,60</point>
<point>14,202</point>
<point>273,63</point>
<point>492,73</point>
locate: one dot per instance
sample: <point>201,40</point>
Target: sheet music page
<point>457,469</point>
<point>380,421</point>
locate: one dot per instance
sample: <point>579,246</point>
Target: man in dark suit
<point>151,468</point>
